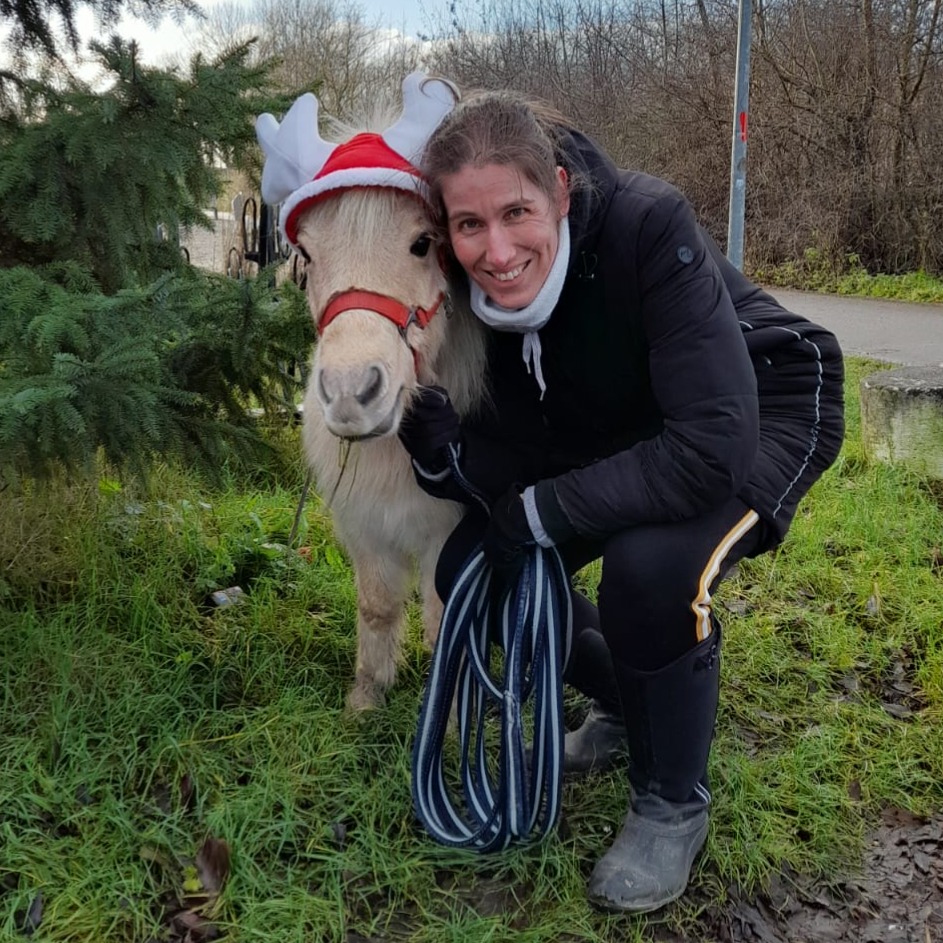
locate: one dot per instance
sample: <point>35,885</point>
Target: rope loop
<point>514,796</point>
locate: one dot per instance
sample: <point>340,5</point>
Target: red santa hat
<point>300,167</point>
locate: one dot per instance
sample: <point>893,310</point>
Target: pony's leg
<point>431,604</point>
<point>382,587</point>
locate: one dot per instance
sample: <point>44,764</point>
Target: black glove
<point>429,427</point>
<point>508,537</point>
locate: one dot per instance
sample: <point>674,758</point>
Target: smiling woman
<point>649,407</point>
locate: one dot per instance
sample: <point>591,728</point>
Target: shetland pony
<point>364,373</point>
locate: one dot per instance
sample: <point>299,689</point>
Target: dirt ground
<point>897,897</point>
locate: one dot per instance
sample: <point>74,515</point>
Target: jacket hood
<point>584,160</point>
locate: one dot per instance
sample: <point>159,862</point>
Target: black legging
<point>656,586</point>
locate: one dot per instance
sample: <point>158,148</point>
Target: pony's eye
<point>421,246</point>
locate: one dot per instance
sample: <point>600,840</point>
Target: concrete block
<point>902,417</point>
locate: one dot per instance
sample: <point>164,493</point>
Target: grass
<point>137,720</point>
<point>814,271</point>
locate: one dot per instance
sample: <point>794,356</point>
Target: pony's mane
<point>378,117</point>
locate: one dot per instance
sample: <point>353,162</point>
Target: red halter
<point>387,307</point>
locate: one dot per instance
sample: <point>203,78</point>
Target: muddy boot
<point>669,716</point>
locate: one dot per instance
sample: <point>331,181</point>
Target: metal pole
<point>738,151</point>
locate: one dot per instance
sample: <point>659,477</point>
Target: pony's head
<point>356,211</point>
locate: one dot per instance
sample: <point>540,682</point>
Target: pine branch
<point>165,370</point>
<point>90,176</point>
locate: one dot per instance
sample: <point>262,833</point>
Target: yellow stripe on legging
<point>702,603</point>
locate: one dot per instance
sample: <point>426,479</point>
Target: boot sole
<point>611,907</point>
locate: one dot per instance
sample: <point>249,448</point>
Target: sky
<point>411,17</point>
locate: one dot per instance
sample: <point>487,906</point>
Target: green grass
<point>815,272</point>
<point>136,720</point>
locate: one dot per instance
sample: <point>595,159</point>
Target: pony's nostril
<point>322,389</point>
<point>371,387</point>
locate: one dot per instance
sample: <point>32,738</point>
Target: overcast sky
<point>408,16</point>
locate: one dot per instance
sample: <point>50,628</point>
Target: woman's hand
<point>508,537</point>
<point>429,427</point>
<point>521,519</point>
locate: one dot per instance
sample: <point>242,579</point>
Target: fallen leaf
<point>897,710</point>
<point>212,862</point>
<point>187,792</point>
<point>936,560</point>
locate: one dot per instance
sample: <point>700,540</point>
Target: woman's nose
<point>499,250</point>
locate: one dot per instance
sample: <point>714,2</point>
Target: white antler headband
<point>301,167</point>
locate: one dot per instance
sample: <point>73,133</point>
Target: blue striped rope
<point>533,623</point>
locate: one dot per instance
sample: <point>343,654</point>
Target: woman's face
<point>504,229</point>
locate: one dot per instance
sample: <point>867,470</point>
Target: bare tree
<point>849,131</point>
<point>846,123</point>
<point>326,46</point>
<point>846,110</point>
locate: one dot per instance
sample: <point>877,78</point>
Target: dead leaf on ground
<point>212,863</point>
<point>29,922</point>
<point>190,911</point>
<point>936,560</point>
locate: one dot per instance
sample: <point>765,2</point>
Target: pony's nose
<point>364,384</point>
<point>371,386</point>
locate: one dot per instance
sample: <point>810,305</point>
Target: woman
<point>649,406</point>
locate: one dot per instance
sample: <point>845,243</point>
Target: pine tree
<point>90,175</point>
<point>166,369</point>
<point>109,341</point>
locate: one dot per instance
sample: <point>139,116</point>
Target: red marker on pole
<point>743,125</point>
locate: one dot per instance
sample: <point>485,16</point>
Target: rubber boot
<point>598,744</point>
<point>601,739</point>
<point>669,716</point>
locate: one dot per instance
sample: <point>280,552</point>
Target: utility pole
<point>738,151</point>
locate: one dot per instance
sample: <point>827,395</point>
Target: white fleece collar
<point>530,319</point>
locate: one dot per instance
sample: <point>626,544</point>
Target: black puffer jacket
<point>672,382</point>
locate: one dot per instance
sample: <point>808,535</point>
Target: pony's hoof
<point>366,696</point>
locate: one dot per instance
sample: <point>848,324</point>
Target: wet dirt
<point>896,898</point>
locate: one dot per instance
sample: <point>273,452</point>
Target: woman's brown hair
<point>502,128</point>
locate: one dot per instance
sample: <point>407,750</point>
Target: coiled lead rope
<point>507,798</point>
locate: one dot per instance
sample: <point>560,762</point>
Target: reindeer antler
<point>426,102</point>
<point>300,166</point>
<point>294,150</point>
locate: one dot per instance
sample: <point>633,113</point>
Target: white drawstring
<point>531,354</point>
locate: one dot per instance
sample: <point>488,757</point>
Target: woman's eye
<point>421,246</point>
